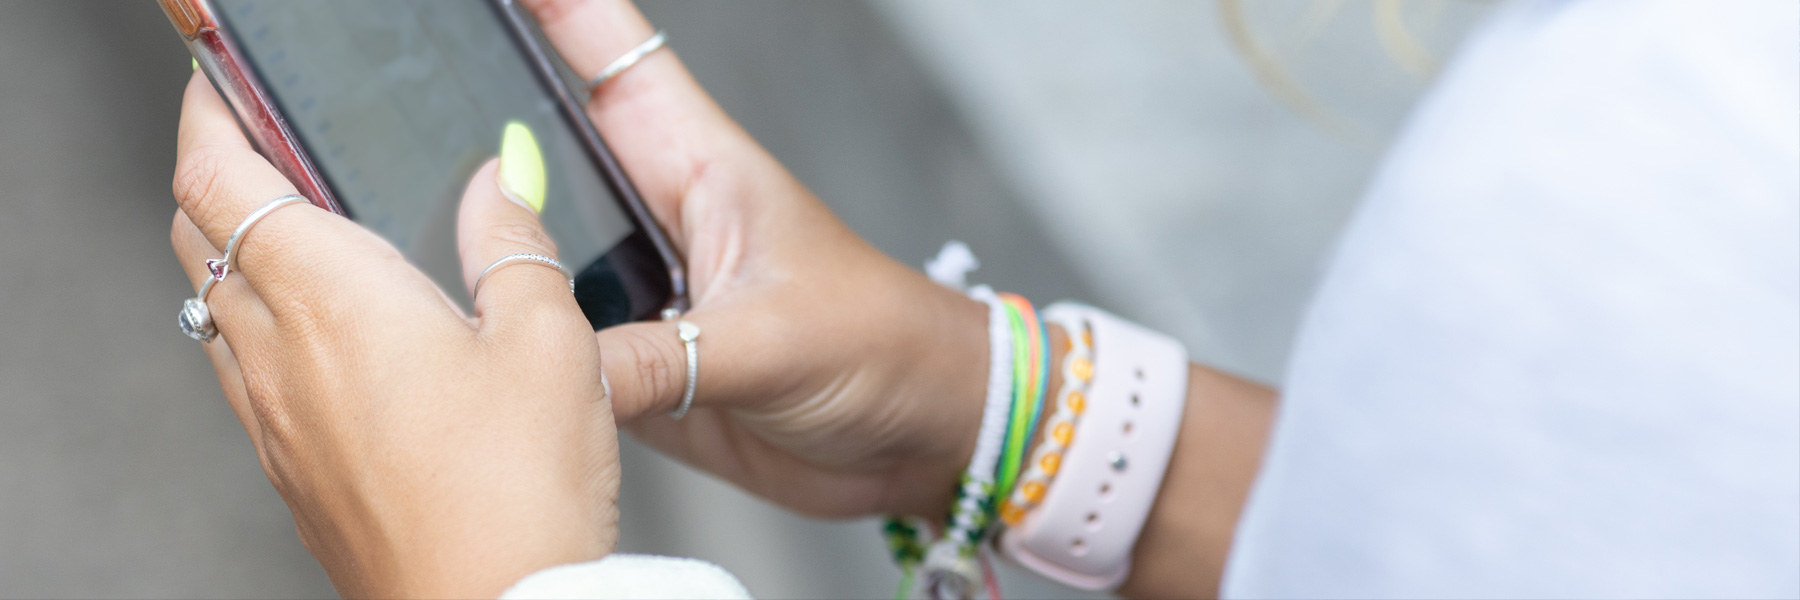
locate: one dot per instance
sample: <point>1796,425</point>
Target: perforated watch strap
<point>1083,532</point>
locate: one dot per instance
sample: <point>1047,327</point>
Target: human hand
<point>833,380</point>
<point>422,452</point>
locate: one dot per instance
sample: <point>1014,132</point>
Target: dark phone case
<point>633,264</point>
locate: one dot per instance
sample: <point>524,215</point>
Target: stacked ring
<point>629,58</point>
<point>522,257</point>
<point>196,317</point>
<point>689,334</point>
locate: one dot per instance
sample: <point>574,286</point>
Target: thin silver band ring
<point>689,333</point>
<point>237,235</point>
<point>196,317</point>
<point>224,265</point>
<point>625,61</point>
<point>518,258</point>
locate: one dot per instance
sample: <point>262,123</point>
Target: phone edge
<point>225,66</point>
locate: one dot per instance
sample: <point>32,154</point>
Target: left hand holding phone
<point>422,451</point>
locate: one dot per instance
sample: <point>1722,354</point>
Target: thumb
<point>646,364</point>
<point>647,368</point>
<point>498,220</point>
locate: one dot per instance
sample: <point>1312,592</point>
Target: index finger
<point>220,180</point>
<point>220,177</point>
<point>663,126</point>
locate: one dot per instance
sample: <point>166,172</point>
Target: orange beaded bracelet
<point>1071,401</point>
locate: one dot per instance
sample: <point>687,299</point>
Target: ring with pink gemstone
<point>196,318</point>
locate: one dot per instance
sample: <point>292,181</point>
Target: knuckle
<point>199,179</point>
<point>529,237</point>
<point>655,363</point>
<point>271,471</point>
<point>309,320</point>
<point>313,324</point>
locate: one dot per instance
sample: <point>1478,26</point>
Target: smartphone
<point>381,111</point>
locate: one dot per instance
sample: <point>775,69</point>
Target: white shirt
<point>1558,352</point>
<point>630,576</point>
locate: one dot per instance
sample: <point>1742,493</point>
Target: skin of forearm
<point>1224,429</point>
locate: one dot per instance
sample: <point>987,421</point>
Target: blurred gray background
<point>1120,153</point>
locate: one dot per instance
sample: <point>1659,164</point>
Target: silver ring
<point>625,61</point>
<point>196,317</point>
<point>522,257</point>
<point>689,332</point>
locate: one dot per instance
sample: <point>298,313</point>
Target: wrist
<point>470,549</point>
<point>952,351</point>
<point>484,566</point>
<point>1188,534</point>
<point>948,369</point>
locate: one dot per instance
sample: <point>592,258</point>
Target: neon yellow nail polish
<point>521,176</point>
<point>196,63</point>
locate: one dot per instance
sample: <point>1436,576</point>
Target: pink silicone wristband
<point>1083,532</point>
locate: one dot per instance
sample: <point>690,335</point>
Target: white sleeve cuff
<point>623,576</point>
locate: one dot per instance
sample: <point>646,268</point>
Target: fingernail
<point>195,62</point>
<point>521,177</point>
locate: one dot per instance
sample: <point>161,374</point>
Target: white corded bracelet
<point>994,414</point>
<point>1083,532</point>
<point>946,570</point>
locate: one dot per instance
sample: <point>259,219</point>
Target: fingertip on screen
<point>521,175</point>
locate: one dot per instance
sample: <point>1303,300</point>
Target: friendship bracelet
<point>947,565</point>
<point>1029,378</point>
<point>1017,411</point>
<point>992,435</point>
<point>1046,460</point>
<point>1043,385</point>
<point>1040,369</point>
<point>905,542</point>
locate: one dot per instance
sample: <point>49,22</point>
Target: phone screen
<point>398,102</point>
